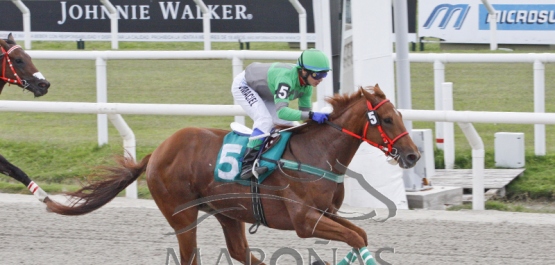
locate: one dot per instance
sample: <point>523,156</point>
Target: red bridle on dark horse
<point>7,62</point>
<point>387,146</point>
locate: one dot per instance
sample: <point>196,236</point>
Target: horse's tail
<point>96,195</point>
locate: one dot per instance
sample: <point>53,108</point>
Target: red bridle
<point>387,146</point>
<point>7,62</point>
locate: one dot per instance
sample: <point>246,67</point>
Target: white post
<point>129,148</point>
<point>439,78</point>
<point>113,22</point>
<point>206,30</point>
<point>492,25</point>
<point>302,23</point>
<point>373,63</point>
<point>448,130</point>
<point>478,155</point>
<point>372,50</point>
<point>478,179</point>
<point>237,66</point>
<point>539,106</point>
<point>404,98</point>
<point>102,97</point>
<point>323,43</point>
<point>26,22</point>
<point>205,24</point>
<point>493,31</point>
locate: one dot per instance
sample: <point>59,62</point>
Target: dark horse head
<point>17,68</point>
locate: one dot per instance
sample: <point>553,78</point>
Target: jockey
<point>264,91</point>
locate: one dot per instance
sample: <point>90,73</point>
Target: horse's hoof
<point>318,262</point>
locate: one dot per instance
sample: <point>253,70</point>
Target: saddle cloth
<point>228,163</point>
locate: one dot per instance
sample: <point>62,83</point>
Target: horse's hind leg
<point>187,240</point>
<point>167,202</point>
<point>10,170</point>
<point>236,240</point>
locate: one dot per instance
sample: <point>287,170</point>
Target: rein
<point>7,62</point>
<point>387,146</point>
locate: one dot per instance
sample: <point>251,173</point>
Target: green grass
<point>512,206</point>
<point>59,150</point>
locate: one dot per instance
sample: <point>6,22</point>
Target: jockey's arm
<point>284,112</point>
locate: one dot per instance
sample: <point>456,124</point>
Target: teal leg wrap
<point>367,256</point>
<point>350,258</point>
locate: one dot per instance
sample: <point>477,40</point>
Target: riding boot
<point>251,154</point>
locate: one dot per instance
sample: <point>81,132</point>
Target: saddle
<point>228,164</point>
<point>243,130</point>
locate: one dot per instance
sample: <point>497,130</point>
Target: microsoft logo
<point>448,11</point>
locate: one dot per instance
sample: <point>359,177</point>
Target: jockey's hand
<point>318,117</point>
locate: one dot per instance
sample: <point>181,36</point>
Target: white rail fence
<point>102,57</point>
<point>114,111</point>
<point>439,60</point>
<point>537,61</point>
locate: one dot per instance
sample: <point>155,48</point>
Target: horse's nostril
<point>412,157</point>
<point>44,85</point>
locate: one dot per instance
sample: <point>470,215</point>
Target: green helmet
<point>314,60</point>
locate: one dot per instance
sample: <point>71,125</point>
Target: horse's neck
<point>324,146</point>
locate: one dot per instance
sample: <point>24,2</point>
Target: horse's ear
<point>368,89</point>
<point>366,92</point>
<point>362,91</point>
<point>377,89</point>
<point>10,38</point>
<point>4,44</point>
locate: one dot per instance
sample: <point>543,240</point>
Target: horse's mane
<point>341,103</point>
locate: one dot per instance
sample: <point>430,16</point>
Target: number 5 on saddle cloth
<point>228,163</point>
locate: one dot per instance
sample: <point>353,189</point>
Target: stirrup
<point>257,169</point>
<point>254,171</point>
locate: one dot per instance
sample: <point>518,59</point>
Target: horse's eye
<point>388,120</point>
<point>18,61</point>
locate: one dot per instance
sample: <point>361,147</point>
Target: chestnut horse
<point>18,69</point>
<point>180,177</point>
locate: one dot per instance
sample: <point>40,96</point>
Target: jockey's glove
<point>318,117</point>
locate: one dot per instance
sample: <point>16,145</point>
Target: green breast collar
<point>311,170</point>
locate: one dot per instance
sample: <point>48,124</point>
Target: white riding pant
<point>263,113</point>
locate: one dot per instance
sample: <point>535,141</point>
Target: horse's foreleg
<point>349,225</point>
<point>317,224</point>
<point>11,170</point>
<point>236,240</point>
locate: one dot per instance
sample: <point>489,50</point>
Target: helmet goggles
<point>317,75</point>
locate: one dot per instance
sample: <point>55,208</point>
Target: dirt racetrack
<point>130,231</point>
